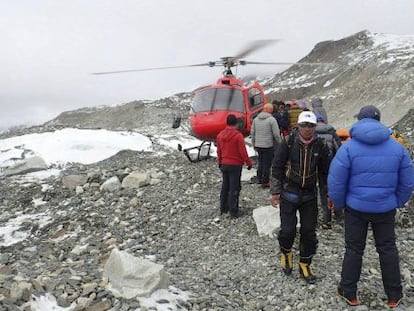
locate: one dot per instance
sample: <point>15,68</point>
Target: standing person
<point>343,135</point>
<point>294,112</point>
<point>231,155</point>
<point>328,133</point>
<point>295,170</point>
<point>317,108</point>
<point>282,117</point>
<point>303,105</point>
<point>265,135</point>
<point>370,176</point>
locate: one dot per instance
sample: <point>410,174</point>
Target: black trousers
<point>265,158</point>
<point>230,188</point>
<point>308,212</point>
<point>383,228</point>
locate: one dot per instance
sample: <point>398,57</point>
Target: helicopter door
<point>256,101</point>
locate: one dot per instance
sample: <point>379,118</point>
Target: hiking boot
<point>393,302</point>
<point>224,210</point>
<point>351,299</point>
<point>236,213</point>
<point>306,272</point>
<point>286,261</point>
<point>266,185</point>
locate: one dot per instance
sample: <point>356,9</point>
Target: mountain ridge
<point>364,68</point>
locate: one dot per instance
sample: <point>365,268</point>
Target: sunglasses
<point>307,124</point>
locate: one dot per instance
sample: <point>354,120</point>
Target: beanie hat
<point>268,108</point>
<point>231,119</point>
<point>370,112</point>
<point>302,104</point>
<point>320,118</point>
<point>342,132</point>
<point>307,117</point>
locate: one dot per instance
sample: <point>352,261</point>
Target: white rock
<point>131,276</point>
<point>111,185</point>
<point>267,219</point>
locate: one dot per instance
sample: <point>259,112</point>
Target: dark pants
<point>230,188</point>
<point>383,228</point>
<point>327,213</point>
<point>265,156</point>
<point>308,212</point>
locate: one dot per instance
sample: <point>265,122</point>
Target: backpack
<point>331,142</point>
<point>282,118</point>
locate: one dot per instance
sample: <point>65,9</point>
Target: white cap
<point>307,117</point>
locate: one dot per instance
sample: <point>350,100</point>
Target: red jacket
<point>231,148</point>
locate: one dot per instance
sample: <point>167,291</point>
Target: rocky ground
<point>222,261</point>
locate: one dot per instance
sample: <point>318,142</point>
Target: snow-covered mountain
<point>365,68</point>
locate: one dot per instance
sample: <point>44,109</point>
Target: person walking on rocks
<point>231,155</point>
<point>317,108</point>
<point>370,176</point>
<point>328,133</point>
<point>295,170</point>
<point>265,136</point>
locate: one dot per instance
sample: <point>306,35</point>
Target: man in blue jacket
<point>370,176</point>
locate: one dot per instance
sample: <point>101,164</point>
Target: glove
<point>249,167</point>
<point>331,204</point>
<point>275,199</point>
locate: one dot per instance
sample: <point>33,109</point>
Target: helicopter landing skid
<point>203,152</point>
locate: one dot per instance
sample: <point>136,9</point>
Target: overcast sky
<point>49,48</point>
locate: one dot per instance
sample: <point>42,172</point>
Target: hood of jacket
<point>369,131</point>
<point>228,133</point>
<point>316,103</point>
<point>264,115</point>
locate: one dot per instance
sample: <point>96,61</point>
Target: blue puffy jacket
<point>371,173</point>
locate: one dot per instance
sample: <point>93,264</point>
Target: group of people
<point>367,178</point>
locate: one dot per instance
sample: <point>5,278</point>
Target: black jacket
<point>296,167</point>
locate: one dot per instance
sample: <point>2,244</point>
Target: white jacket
<point>265,131</point>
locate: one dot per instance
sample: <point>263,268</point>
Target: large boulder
<point>136,180</point>
<point>25,166</point>
<point>71,181</point>
<point>111,185</point>
<point>131,276</point>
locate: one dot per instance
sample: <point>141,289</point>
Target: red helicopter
<point>211,104</point>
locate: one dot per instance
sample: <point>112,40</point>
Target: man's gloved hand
<point>275,200</point>
<point>331,204</point>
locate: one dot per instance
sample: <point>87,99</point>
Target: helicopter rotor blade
<point>151,69</point>
<point>253,46</point>
<point>283,63</point>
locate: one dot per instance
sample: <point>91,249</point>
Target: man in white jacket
<point>265,135</point>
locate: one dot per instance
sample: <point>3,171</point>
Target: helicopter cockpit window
<point>218,99</point>
<point>255,98</point>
